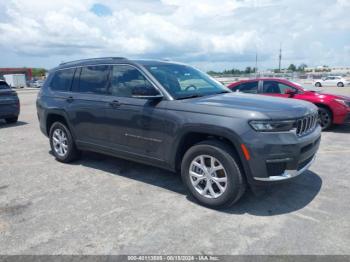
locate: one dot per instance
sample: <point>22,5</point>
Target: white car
<point>332,81</point>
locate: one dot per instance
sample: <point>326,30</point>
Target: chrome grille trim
<point>306,124</point>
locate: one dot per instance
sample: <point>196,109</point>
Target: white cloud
<point>197,31</point>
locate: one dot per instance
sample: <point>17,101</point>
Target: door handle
<point>70,99</point>
<point>114,103</point>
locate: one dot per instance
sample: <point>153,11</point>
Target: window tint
<point>75,84</point>
<point>94,79</point>
<point>4,85</point>
<point>248,87</point>
<point>125,79</point>
<point>274,87</point>
<point>283,88</point>
<point>62,80</point>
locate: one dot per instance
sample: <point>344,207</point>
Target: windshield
<point>184,81</point>
<point>4,85</point>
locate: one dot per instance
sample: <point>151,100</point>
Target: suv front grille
<point>306,124</point>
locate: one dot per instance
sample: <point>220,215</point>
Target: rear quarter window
<point>62,80</point>
<point>248,87</point>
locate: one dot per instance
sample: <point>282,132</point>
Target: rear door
<point>88,103</point>
<point>250,87</point>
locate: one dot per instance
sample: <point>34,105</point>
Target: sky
<point>209,34</point>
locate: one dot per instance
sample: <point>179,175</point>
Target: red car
<point>333,109</point>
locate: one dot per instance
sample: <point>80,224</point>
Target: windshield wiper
<point>189,96</point>
<point>223,92</point>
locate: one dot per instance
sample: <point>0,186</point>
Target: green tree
<point>39,72</point>
<point>292,67</point>
<point>301,67</point>
<point>248,70</point>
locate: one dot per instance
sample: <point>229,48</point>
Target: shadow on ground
<point>345,128</point>
<point>3,124</point>
<point>273,200</point>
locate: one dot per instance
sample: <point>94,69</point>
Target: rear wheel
<point>62,143</point>
<point>11,120</point>
<point>211,174</point>
<point>325,118</point>
<point>318,84</point>
<point>340,84</point>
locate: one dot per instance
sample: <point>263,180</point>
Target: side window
<point>75,84</point>
<point>62,80</point>
<point>283,88</point>
<point>94,79</point>
<point>126,79</point>
<point>249,87</point>
<point>271,87</point>
<point>4,85</point>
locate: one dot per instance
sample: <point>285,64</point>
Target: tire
<point>65,151</point>
<point>318,84</point>
<point>11,120</point>
<point>325,118</point>
<point>340,84</point>
<point>232,189</point>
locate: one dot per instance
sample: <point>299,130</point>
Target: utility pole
<point>279,59</point>
<point>256,64</point>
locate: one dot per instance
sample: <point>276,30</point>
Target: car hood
<point>249,105</point>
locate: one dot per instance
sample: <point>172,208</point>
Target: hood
<point>240,104</point>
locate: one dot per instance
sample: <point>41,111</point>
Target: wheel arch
<point>325,106</point>
<point>55,116</point>
<point>192,136</point>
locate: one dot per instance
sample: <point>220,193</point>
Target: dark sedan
<point>9,103</point>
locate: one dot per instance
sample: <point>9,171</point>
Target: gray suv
<point>175,117</point>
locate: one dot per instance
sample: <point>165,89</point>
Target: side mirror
<point>146,92</point>
<point>290,92</point>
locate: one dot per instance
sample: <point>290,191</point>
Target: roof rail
<point>93,59</point>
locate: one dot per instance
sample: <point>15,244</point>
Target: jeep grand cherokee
<point>175,117</point>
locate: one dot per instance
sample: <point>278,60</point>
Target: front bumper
<point>278,157</point>
<point>287,174</point>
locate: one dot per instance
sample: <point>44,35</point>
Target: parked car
<point>332,81</point>
<point>9,103</point>
<point>175,117</point>
<point>333,109</point>
<point>38,83</point>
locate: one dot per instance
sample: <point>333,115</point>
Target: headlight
<point>272,125</point>
<point>343,102</point>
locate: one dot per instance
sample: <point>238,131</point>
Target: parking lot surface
<point>104,205</point>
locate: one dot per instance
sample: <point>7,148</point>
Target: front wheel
<point>62,143</point>
<point>340,84</point>
<point>318,84</point>
<point>211,174</point>
<point>325,118</point>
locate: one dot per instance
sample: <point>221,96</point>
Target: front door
<point>134,125</point>
<point>275,88</point>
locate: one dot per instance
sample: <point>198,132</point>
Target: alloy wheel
<point>208,176</point>
<point>60,142</point>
